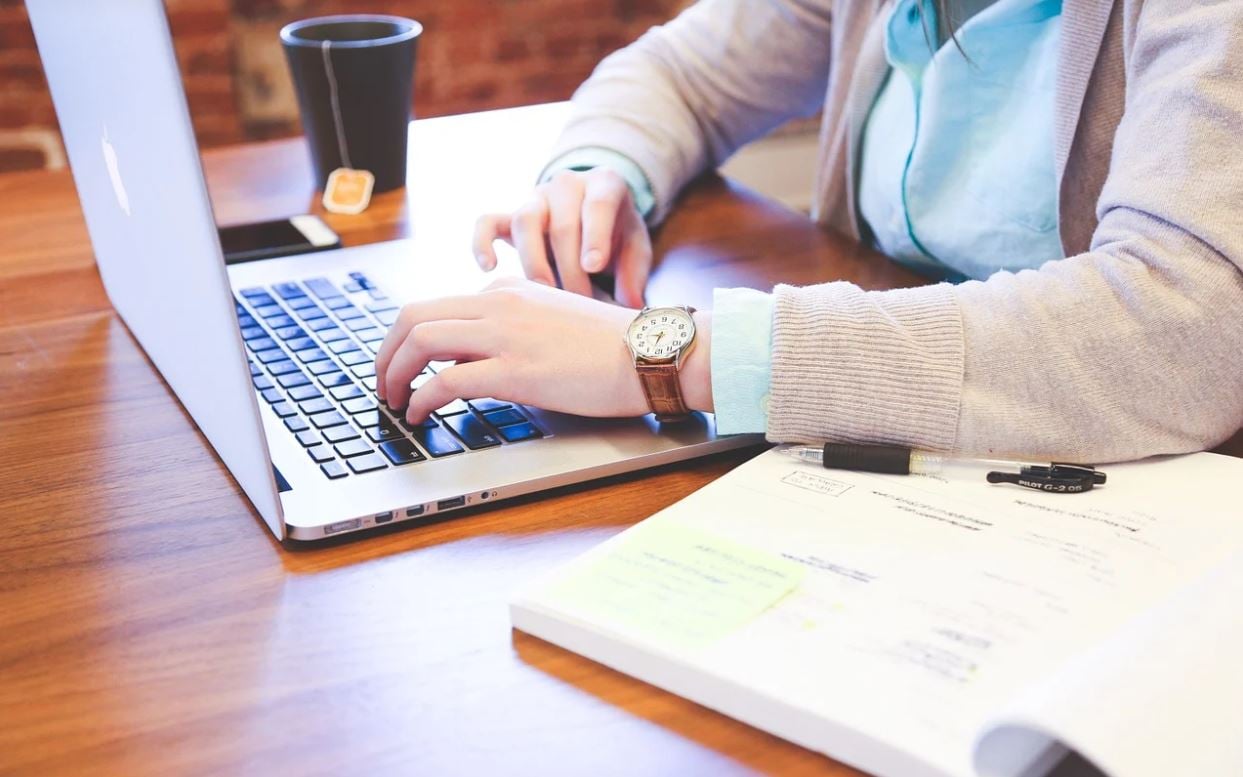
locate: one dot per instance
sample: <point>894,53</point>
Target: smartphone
<point>282,237</point>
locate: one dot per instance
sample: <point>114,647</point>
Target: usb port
<point>449,504</point>
<point>383,517</point>
<point>413,511</point>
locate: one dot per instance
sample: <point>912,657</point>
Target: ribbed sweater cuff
<point>872,367</point>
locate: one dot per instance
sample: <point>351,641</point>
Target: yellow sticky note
<point>678,586</point>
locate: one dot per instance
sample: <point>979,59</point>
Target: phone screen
<point>282,237</point>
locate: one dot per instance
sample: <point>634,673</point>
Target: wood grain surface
<point>149,624</point>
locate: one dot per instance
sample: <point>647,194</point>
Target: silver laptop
<point>273,358</point>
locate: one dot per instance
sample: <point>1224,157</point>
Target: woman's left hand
<point>517,341</point>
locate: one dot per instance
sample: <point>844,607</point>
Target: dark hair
<point>946,25</point>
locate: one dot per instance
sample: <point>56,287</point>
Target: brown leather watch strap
<point>664,391</point>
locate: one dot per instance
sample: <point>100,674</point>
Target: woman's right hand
<point>577,223</point>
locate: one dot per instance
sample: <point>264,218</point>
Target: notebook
<point>935,626</point>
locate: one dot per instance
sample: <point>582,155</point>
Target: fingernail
<point>593,260</point>
<point>483,261</point>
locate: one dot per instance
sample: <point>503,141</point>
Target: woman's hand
<point>589,221</point>
<point>522,342</point>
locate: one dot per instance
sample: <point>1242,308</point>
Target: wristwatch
<point>659,339</point>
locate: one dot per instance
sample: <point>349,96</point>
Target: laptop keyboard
<point>312,347</point>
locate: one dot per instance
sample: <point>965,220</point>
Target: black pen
<point>1054,478</point>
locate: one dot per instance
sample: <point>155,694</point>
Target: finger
<point>527,229</point>
<point>634,262</point>
<point>488,229</point>
<point>463,307</point>
<point>470,380</point>
<point>603,200</point>
<point>565,203</point>
<point>431,341</point>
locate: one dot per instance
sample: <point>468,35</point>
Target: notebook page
<point>1162,696</point>
<point>925,605</point>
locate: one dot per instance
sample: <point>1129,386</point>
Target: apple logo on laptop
<point>114,172</point>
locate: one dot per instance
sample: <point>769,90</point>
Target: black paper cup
<point>353,75</point>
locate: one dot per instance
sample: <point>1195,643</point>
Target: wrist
<point>695,376</point>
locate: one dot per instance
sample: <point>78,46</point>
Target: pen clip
<point>1057,478</point>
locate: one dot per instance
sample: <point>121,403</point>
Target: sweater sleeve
<point>689,93</point>
<point>1132,349</point>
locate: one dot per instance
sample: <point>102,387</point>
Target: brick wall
<point>474,55</point>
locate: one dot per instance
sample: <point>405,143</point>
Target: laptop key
<point>342,346</point>
<point>269,356</point>
<point>320,368</point>
<point>437,441</point>
<point>254,369</point>
<point>301,343</point>
<point>472,431</point>
<point>290,332</point>
<point>270,395</point>
<point>321,324</point>
<point>245,321</point>
<point>262,382</point>
<point>334,469</point>
<point>355,357</point>
<point>307,438</point>
<point>298,303</point>
<point>363,370</point>
<point>340,433</point>
<point>453,408</point>
<point>310,313</point>
<point>369,463</point>
<point>324,420</point>
<point>369,382</point>
<point>283,409</point>
<point>384,432</point>
<point>254,291</point>
<point>260,343</point>
<point>359,405</point>
<point>349,312</point>
<point>288,290</point>
<point>488,405</point>
<point>349,391</point>
<point>310,355</point>
<point>505,417</point>
<point>372,335</point>
<point>355,447</point>
<point>401,452</point>
<point>282,367</point>
<point>317,405</point>
<point>358,323</point>
<point>320,453</point>
<point>293,380</point>
<point>268,310</point>
<point>520,432</point>
<point>296,424</point>
<point>379,305</point>
<point>337,303</point>
<point>367,418</point>
<point>334,379</point>
<point>321,287</point>
<point>280,322</point>
<point>251,332</point>
<point>386,317</point>
<point>303,393</point>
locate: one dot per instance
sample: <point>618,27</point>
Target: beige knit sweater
<point>1131,346</point>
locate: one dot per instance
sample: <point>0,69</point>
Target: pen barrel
<point>885,459</point>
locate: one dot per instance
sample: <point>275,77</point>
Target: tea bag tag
<point>348,191</point>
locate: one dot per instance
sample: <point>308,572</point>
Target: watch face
<point>661,333</point>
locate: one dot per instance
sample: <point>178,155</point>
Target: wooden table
<point>149,624</point>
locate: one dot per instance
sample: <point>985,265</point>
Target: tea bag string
<point>335,100</point>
